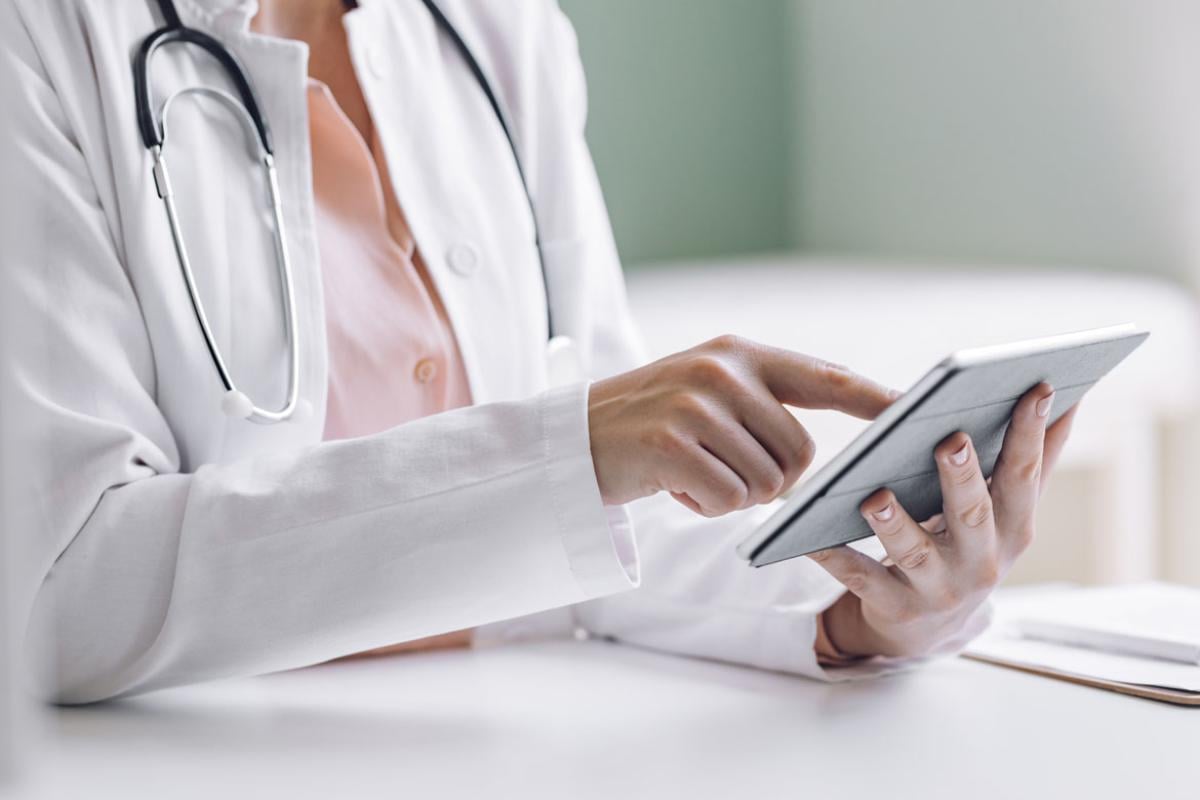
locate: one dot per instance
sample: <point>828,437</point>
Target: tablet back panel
<point>977,399</point>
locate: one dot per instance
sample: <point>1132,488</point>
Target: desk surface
<point>590,719</point>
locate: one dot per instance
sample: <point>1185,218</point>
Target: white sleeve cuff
<point>699,600</point>
<point>598,540</point>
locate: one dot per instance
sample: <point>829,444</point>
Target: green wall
<point>1000,131</point>
<point>689,122</point>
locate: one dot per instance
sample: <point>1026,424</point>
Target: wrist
<point>828,654</point>
<point>843,635</point>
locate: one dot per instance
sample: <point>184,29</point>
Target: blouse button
<point>426,370</point>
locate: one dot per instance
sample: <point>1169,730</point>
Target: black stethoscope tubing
<point>174,31</point>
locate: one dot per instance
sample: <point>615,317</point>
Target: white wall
<point>1021,131</point>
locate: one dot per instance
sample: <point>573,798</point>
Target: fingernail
<point>884,514</point>
<point>1043,405</point>
<point>959,456</point>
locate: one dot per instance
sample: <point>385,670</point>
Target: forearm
<point>292,559</point>
<point>698,599</point>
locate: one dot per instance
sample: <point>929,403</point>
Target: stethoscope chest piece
<point>564,364</point>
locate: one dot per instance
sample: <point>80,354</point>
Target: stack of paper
<point>1142,639</point>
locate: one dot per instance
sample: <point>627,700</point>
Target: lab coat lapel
<point>251,333</point>
<point>280,69</point>
<point>458,187</point>
<point>456,183</point>
<point>388,73</point>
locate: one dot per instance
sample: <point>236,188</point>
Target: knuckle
<point>905,613</point>
<point>793,466</point>
<point>935,525</point>
<point>713,370</point>
<point>831,370</point>
<point>914,558</point>
<point>692,408</point>
<point>854,580</point>
<point>987,574</point>
<point>949,597</point>
<point>728,343</point>
<point>768,486</point>
<point>1030,471</point>
<point>978,513</point>
<point>806,451</point>
<point>666,440</point>
<point>820,556</point>
<point>732,496</point>
<point>965,476</point>
<point>833,375</point>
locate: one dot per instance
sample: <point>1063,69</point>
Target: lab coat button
<point>425,371</point>
<point>463,259</point>
<point>377,61</point>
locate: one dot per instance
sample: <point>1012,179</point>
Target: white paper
<point>1147,610</point>
<point>1143,609</point>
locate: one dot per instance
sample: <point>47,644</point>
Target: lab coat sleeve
<point>697,597</point>
<point>145,576</point>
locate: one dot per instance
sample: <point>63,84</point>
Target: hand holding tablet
<point>974,392</point>
<point>939,572</point>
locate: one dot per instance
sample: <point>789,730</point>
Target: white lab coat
<point>173,544</point>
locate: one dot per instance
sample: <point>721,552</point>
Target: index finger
<point>806,382</point>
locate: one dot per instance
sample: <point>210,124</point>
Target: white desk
<point>580,720</point>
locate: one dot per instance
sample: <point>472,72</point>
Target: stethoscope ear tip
<point>237,405</point>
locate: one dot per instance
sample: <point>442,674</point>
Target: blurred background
<point>880,183</point>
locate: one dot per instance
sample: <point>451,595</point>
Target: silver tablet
<point>973,391</point>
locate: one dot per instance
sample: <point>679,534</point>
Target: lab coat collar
<point>221,5</point>
<point>228,15</point>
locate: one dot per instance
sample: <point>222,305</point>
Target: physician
<point>316,343</point>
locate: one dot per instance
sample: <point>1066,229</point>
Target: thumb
<point>806,382</point>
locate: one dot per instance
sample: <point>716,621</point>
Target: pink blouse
<point>392,352</point>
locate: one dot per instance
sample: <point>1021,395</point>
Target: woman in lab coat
<point>437,482</point>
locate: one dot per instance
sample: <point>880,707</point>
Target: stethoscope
<point>561,356</point>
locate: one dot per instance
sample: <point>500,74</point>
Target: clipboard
<point>1162,694</point>
<point>1039,630</point>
